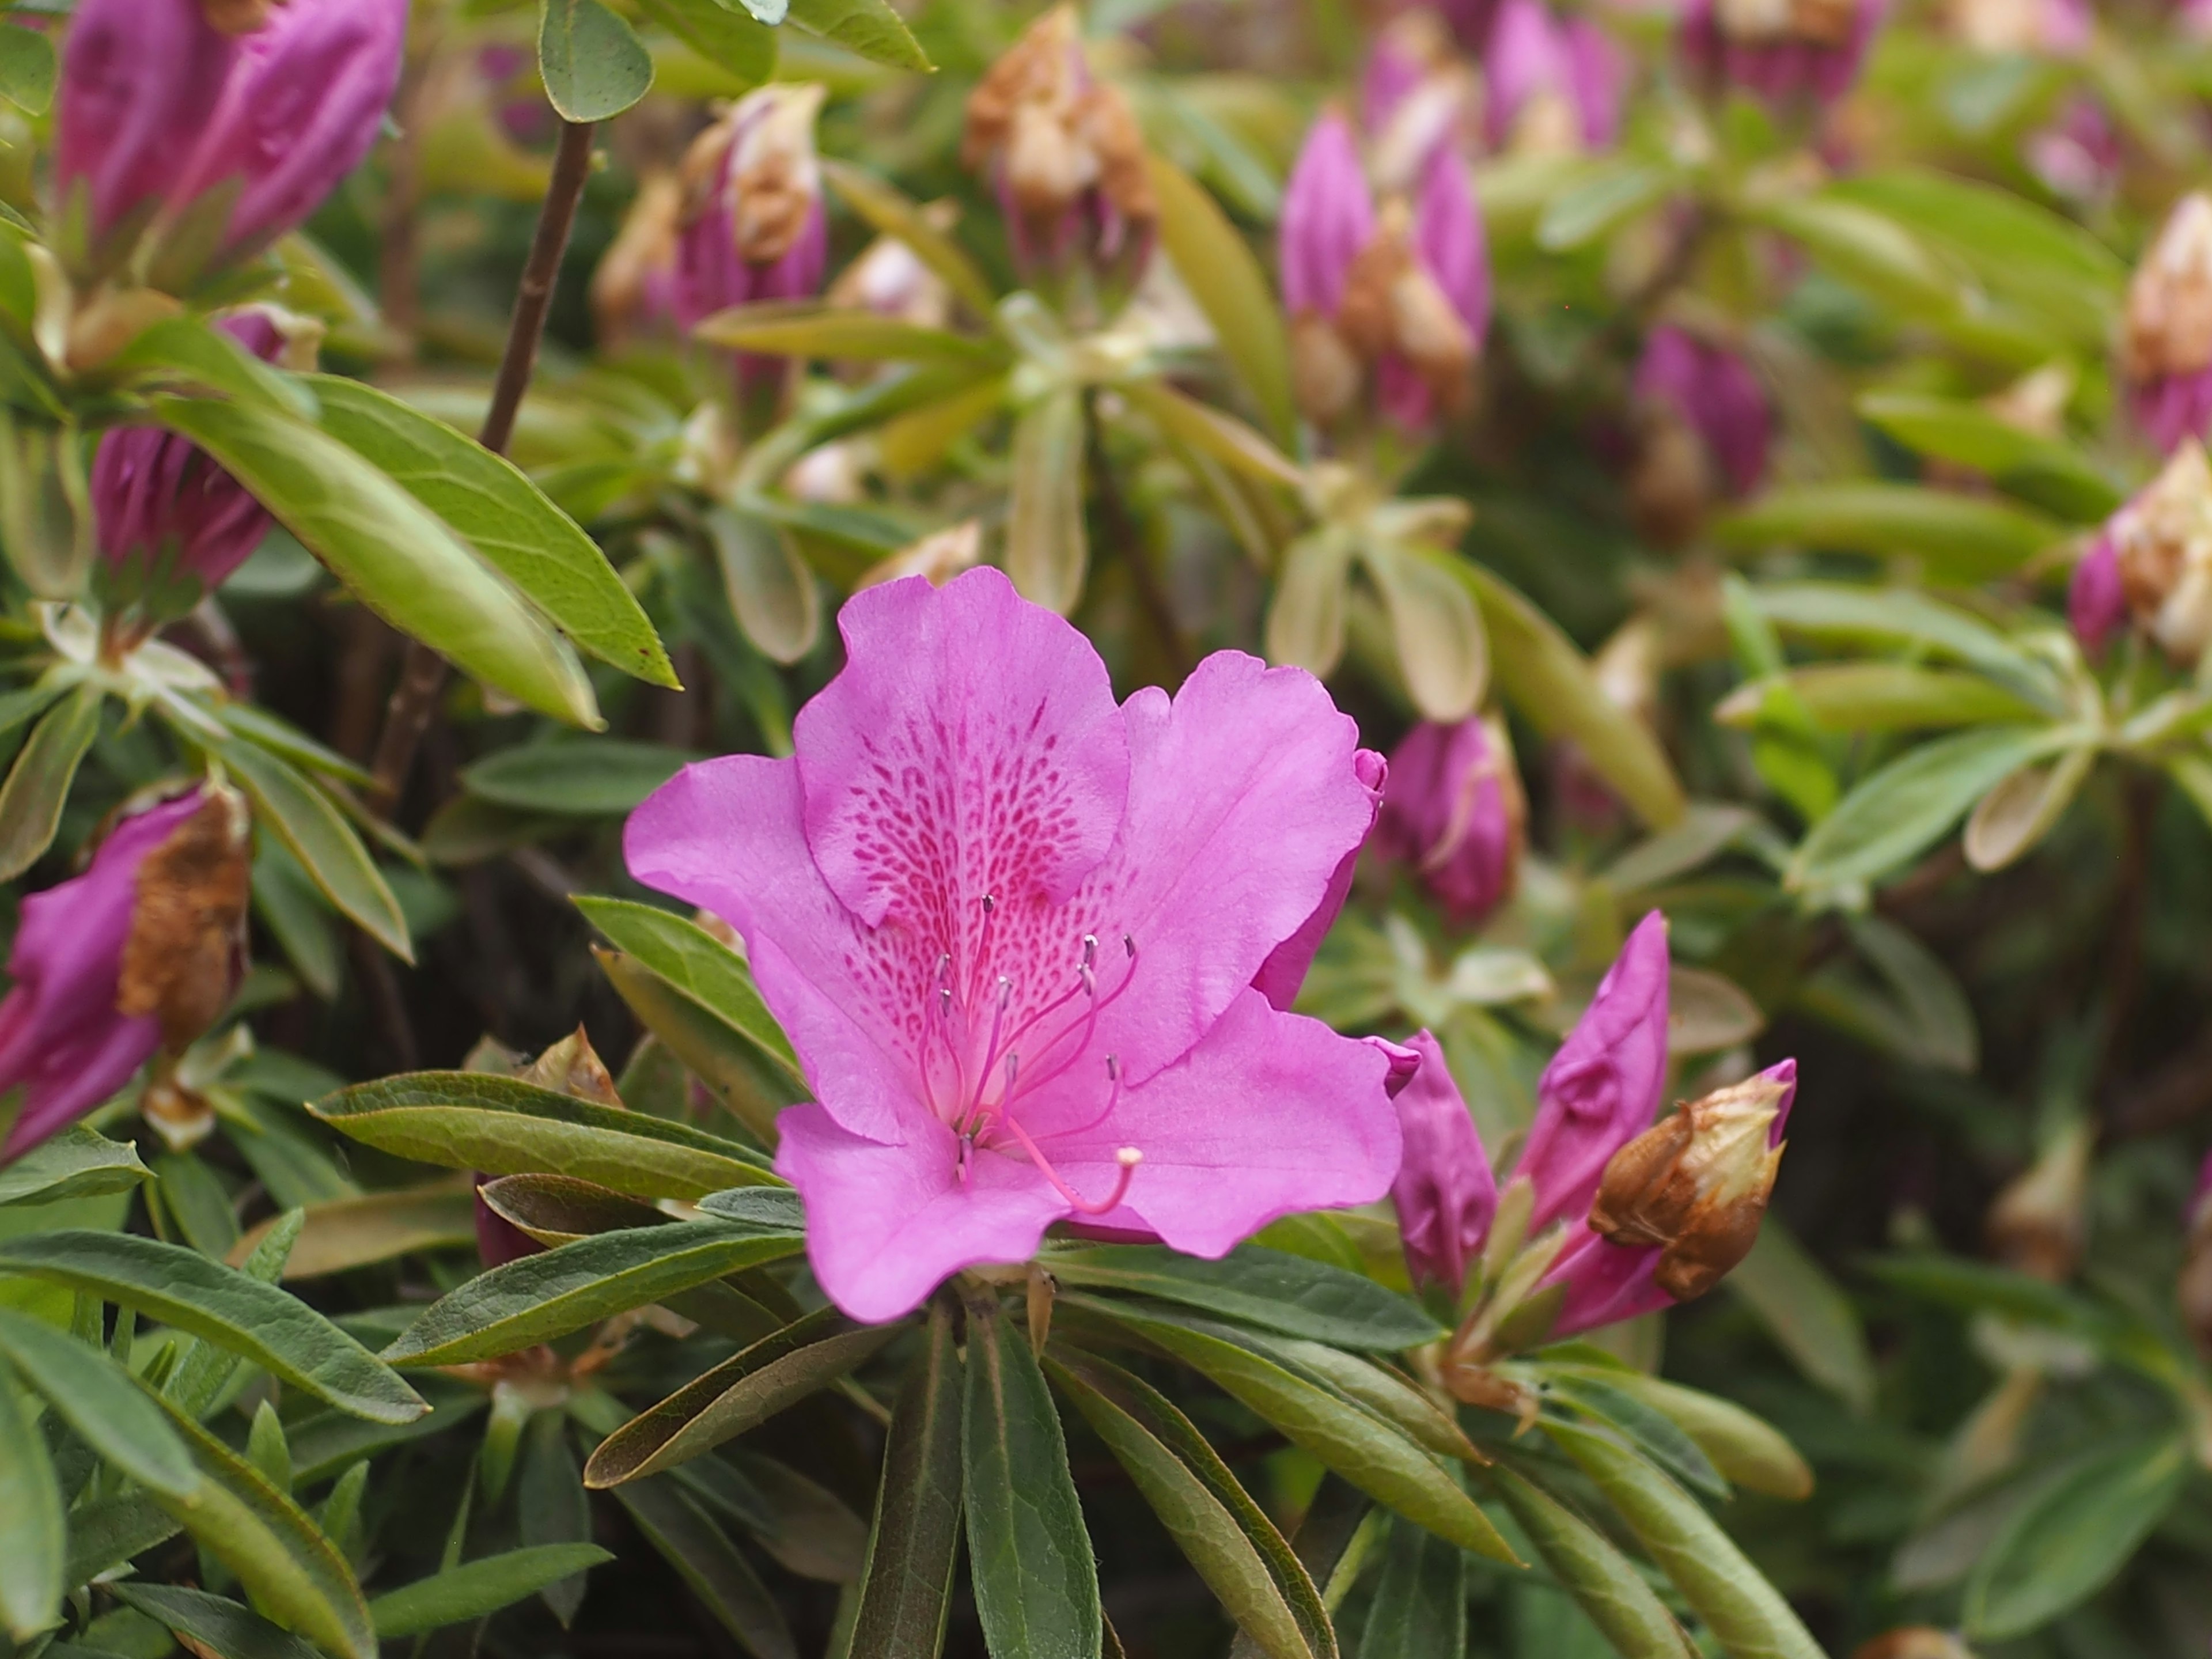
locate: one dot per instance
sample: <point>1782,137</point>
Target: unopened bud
<point>1416,299</point>
<point>1695,1185</point>
<point>1785,52</point>
<point>1417,96</point>
<point>2160,544</point>
<point>1554,83</point>
<point>2196,1287</point>
<point>1705,427</point>
<point>634,287</point>
<point>2036,1224</point>
<point>2054,28</point>
<point>1444,1192</point>
<point>2166,340</point>
<point>1915,1642</point>
<point>1454,810</point>
<point>185,950</point>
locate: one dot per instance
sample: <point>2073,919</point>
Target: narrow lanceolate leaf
<point>78,1163</point>
<point>504,517</point>
<point>476,1589</point>
<point>216,1623</point>
<point>813,328</point>
<point>107,1532</point>
<point>32,1539</point>
<point>1807,1313</point>
<point>1365,1449</point>
<point>1255,1286</point>
<point>1746,1614</point>
<point>502,1126</point>
<point>1964,538</point>
<point>1216,266</point>
<point>109,1408</point>
<point>705,1558</point>
<point>37,784</point>
<point>317,833</point>
<point>592,63</point>
<point>1551,684</point>
<point>1602,1581</point>
<point>2071,1538</point>
<point>230,1310</point>
<point>771,589</point>
<point>1036,1585</point>
<point>191,354</point>
<point>395,555</point>
<point>1384,1391</point>
<point>741,1393</point>
<point>1442,650</point>
<point>1420,1610</point>
<point>1206,429</point>
<point>1214,1521</point>
<point>700,966</point>
<point>291,1573</point>
<point>551,1506</point>
<point>574,776</point>
<point>1743,1448</point>
<point>1046,554</point>
<point>906,1587</point>
<point>357,1232</point>
<point>560,1209</point>
<point>541,1296</point>
<point>869,28</point>
<point>889,213</point>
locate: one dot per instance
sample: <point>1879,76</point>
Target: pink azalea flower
<point>1013,930</point>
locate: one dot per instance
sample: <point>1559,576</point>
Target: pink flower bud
<point>303,103</point>
<point>165,513</point>
<point>2159,546</point>
<point>1787,53</point>
<point>2166,347</point>
<point>2096,602</point>
<point>2078,154</point>
<point>1452,810</point>
<point>138,955</point>
<point>1417,302</point>
<point>1285,969</point>
<point>1603,1085</point>
<point>1445,1192</point>
<point>1554,83</point>
<point>1417,96</point>
<point>140,80</point>
<point>499,1240</point>
<point>1713,390</point>
<point>634,287</point>
<point>1328,218</point>
<point>2196,1286</point>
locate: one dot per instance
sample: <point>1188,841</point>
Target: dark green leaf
<point>584,777</point>
<point>37,784</point>
<point>78,1163</point>
<point>1420,1610</point>
<point>32,1539</point>
<point>108,1407</point>
<point>1604,1582</point>
<point>593,64</point>
<point>222,1627</point>
<point>476,1589</point>
<point>706,1560</point>
<point>906,1587</point>
<point>1254,1285</point>
<point>551,1506</point>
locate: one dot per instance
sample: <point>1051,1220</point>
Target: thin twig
<point>422,674</point>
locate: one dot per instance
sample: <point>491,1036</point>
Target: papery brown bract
<point>2166,350</point>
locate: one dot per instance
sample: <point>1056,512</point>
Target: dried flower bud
<point>1915,1642</point>
<point>2048,28</point>
<point>1694,1186</point>
<point>1445,1192</point>
<point>140,80</point>
<point>1554,84</point>
<point>1416,299</point>
<point>634,287</point>
<point>1454,811</point>
<point>172,524</point>
<point>573,1067</point>
<point>2036,1224</point>
<point>2196,1286</point>
<point>1065,154</point>
<point>1604,1083</point>
<point>238,16</point>
<point>139,954</point>
<point>939,557</point>
<point>2165,349</point>
<point>1785,52</point>
<point>2160,544</point>
<point>1285,969</point>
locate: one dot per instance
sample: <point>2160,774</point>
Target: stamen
<point>1089,949</point>
<point>1128,1157</point>
<point>1113,1097</point>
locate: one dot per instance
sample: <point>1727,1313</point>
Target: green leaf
<point>741,1393</point>
<point>190,353</point>
<point>771,589</point>
<point>2043,469</point>
<point>743,45</point>
<point>507,518</point>
<point>551,1506</point>
<point>264,730</point>
<point>1874,696</point>
<point>1743,1448</point>
<point>914,1543</point>
<point>1538,668</point>
<point>1200,427</point>
<point>27,69</point>
<point>1216,264</point>
<point>37,786</point>
<point>701,967</point>
<point>1420,1610</point>
<point>868,27</point>
<point>230,1310</point>
<point>78,1163</point>
<point>574,776</point>
<point>503,1126</point>
<point>292,1573</point>
<point>1911,1007</point>
<point>2073,1537</point>
<point>1442,655</point>
<point>889,213</point>
<point>32,1539</point>
<point>1592,1393</point>
<point>1747,1615</point>
<point>1362,1447</point>
<point>560,1209</point>
<point>1604,196</point>
<point>1901,618</point>
<point>815,328</point>
<point>105,1533</point>
<point>476,1589</point>
<point>317,833</point>
<point>346,1233</point>
<point>1226,1536</point>
<point>1604,1582</point>
<point>594,66</point>
<point>1382,1391</point>
<point>219,1625</point>
<point>706,1560</point>
<point>1868,250</point>
<point>1047,552</point>
<point>1960,538</point>
<point>1037,1586</point>
<point>397,556</point>
<point>111,1411</point>
<point>541,1296</point>
<point>1255,1286</point>
<point>1898,812</point>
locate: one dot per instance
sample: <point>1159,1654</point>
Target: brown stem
<point>422,674</point>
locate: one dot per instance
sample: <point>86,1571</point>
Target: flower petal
<point>1272,1115</point>
<point>887,1224</point>
<point>970,747</point>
